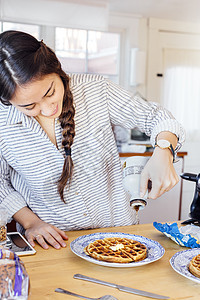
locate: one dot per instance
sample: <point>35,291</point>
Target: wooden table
<point>49,269</point>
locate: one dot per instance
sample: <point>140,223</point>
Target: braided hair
<point>22,59</point>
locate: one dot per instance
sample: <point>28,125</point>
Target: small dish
<point>180,262</point>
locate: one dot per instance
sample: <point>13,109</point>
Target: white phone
<point>18,244</point>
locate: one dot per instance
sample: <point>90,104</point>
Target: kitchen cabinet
<point>166,208</point>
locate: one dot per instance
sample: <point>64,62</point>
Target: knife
<point>121,287</point>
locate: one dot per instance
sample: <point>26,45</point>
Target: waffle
<point>117,250</point>
<point>194,266</point>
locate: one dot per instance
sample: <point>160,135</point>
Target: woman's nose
<point>47,109</point>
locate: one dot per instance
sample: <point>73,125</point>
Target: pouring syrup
<point>137,204</point>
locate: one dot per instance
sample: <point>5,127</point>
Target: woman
<point>60,169</point>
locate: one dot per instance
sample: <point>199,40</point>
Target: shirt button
<point>58,122</point>
<point>85,215</point>
<point>76,193</point>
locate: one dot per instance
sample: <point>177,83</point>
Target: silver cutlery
<point>106,297</point>
<point>121,287</point>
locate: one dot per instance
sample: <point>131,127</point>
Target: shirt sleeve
<point>9,198</point>
<point>132,111</point>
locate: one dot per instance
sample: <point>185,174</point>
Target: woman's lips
<point>55,111</point>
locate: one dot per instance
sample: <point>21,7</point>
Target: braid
<point>68,125</point>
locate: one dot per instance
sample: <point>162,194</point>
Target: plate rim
<point>128,235</point>
<point>191,276</point>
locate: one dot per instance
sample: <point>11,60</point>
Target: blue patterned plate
<point>154,250</point>
<point>180,262</point>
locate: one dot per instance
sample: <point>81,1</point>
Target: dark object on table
<point>195,206</point>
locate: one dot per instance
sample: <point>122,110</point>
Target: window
<point>82,51</point>
<point>32,29</point>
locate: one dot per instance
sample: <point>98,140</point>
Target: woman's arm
<point>36,229</point>
<point>160,169</point>
<point>9,197</point>
<point>131,111</point>
<point>17,208</point>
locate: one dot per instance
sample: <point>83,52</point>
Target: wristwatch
<point>165,144</point>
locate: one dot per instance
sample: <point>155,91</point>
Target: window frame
<point>20,23</point>
<point>110,76</point>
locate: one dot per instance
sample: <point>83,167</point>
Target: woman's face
<point>43,97</point>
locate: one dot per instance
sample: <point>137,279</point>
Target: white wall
<point>134,35</point>
<point>167,34</point>
<point>57,13</point>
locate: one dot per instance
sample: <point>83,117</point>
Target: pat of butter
<point>117,247</point>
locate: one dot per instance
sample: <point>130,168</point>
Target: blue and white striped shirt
<point>31,164</point>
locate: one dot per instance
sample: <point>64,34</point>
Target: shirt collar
<point>15,116</point>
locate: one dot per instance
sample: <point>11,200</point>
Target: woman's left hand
<point>45,235</point>
<point>160,171</point>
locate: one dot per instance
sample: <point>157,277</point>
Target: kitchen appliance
<point>137,135</point>
<point>195,205</point>
<point>131,140</point>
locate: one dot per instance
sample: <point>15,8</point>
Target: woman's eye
<point>30,108</point>
<point>51,93</point>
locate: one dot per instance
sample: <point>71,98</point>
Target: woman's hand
<point>160,171</point>
<point>38,230</point>
<point>45,234</point>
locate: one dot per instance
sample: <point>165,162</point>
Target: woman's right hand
<point>37,230</point>
<point>45,235</point>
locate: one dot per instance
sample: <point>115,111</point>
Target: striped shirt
<point>30,164</point>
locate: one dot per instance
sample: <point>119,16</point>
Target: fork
<point>106,297</point>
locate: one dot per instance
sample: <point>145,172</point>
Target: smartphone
<point>18,244</point>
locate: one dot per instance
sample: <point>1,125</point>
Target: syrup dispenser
<point>132,168</point>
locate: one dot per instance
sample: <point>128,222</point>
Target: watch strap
<point>173,153</point>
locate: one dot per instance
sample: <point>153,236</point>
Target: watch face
<point>163,143</point>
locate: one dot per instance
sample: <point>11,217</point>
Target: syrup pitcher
<point>132,169</point>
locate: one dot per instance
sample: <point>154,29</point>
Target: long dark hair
<point>22,59</point>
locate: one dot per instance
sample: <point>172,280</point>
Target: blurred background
<point>150,47</point>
